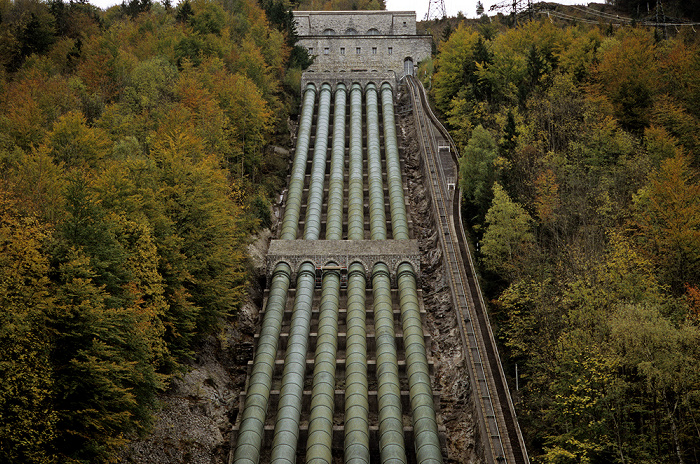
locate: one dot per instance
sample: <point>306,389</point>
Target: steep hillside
<point>135,166</point>
<point>579,169</point>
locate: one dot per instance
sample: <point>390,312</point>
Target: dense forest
<point>133,169</point>
<point>580,154</point>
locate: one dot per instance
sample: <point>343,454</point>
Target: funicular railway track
<point>499,427</point>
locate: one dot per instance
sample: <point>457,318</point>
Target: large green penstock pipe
<point>314,203</point>
<point>391,440</point>
<point>399,222</point>
<point>334,221</point>
<point>356,384</point>
<point>377,216</point>
<point>250,435</point>
<point>356,213</point>
<point>425,431</point>
<point>320,440</point>
<point>284,444</point>
<point>290,222</point>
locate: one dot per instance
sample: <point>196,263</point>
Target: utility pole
<point>436,8</point>
<point>514,5</point>
<point>660,19</point>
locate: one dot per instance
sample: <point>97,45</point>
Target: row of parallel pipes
<point>286,436</point>
<point>319,442</point>
<point>251,431</point>
<point>391,441</point>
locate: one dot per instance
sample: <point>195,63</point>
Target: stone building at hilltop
<point>372,45</point>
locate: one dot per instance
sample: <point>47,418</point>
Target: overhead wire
<point>615,18</point>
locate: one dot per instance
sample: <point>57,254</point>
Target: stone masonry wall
<point>365,53</point>
<point>362,41</point>
<point>355,22</point>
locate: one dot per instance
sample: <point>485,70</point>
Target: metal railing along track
<point>502,435</point>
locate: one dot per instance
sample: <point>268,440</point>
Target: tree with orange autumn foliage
<point>28,420</point>
<point>668,221</point>
<point>133,164</point>
<point>602,180</point>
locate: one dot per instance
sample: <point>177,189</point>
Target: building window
<point>311,50</point>
<point>358,50</point>
<point>404,24</point>
<point>374,50</point>
<point>342,50</point>
<point>326,50</point>
<point>391,50</point>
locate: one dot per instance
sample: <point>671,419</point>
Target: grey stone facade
<point>343,253</point>
<point>376,42</point>
<point>320,78</point>
<point>355,22</point>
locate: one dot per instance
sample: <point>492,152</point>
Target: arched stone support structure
<point>344,253</point>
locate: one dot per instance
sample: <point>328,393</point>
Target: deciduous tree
<point>668,221</point>
<point>508,240</point>
<point>27,416</point>
<point>478,171</point>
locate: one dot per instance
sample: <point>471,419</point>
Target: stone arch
<point>329,31</point>
<point>413,263</point>
<point>273,264</point>
<point>381,86</point>
<point>351,31</point>
<point>330,262</point>
<point>373,31</point>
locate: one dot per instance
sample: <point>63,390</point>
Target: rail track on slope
<point>501,435</point>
